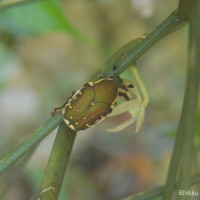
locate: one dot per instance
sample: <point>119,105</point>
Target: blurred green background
<point>49,49</point>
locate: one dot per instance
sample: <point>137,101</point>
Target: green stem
<point>184,143</point>
<point>57,163</point>
<point>127,56</point>
<point>191,96</point>
<point>30,143</point>
<point>158,191</point>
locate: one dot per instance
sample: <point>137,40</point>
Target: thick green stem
<point>30,143</point>
<point>184,144</point>
<point>57,163</point>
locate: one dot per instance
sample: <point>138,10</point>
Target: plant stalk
<point>30,143</point>
<point>184,144</point>
<point>56,167</point>
<point>129,53</point>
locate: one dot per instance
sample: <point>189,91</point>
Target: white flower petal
<point>124,107</point>
<point>122,125</point>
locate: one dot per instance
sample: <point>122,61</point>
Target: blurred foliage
<point>198,132</point>
<point>37,18</point>
<point>46,53</point>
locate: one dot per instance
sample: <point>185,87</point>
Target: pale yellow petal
<point>124,107</point>
<point>122,125</point>
<point>140,120</point>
